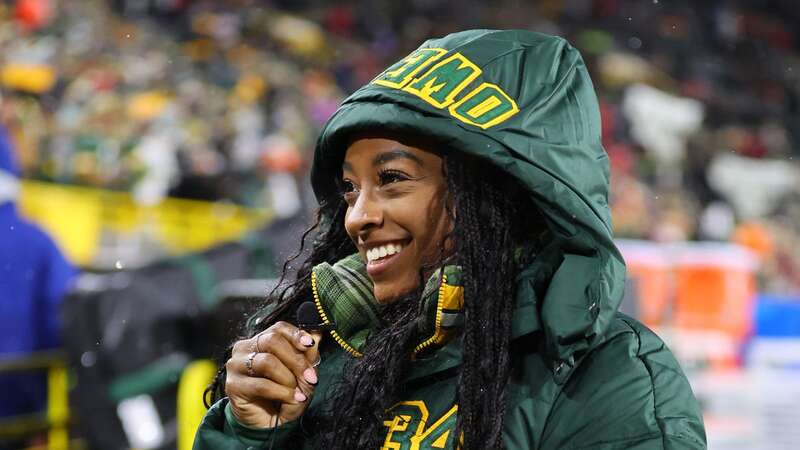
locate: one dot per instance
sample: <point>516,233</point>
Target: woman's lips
<point>379,266</point>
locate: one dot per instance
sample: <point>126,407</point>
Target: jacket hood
<point>524,102</point>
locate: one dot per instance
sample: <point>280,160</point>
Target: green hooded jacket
<point>591,378</point>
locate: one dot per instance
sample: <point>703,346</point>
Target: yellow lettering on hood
<point>444,85</point>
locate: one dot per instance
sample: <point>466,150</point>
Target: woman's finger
<point>305,341</point>
<point>259,389</point>
<point>276,343</point>
<point>301,339</point>
<point>267,365</point>
<point>312,353</point>
<point>244,346</point>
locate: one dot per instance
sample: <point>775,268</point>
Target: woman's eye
<point>392,176</point>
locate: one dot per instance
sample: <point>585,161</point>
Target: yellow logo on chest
<point>408,428</point>
<point>442,83</point>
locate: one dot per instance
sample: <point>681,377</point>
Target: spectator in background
<point>34,276</point>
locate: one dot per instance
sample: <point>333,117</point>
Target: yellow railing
<point>84,221</point>
<point>56,418</point>
<point>196,376</point>
<point>57,407</point>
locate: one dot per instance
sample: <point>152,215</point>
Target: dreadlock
<point>487,234</point>
<point>492,221</point>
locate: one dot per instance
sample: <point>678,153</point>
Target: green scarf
<point>343,295</point>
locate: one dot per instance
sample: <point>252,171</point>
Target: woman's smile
<point>382,256</point>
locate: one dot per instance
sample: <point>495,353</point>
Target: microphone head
<point>308,318</point>
<point>307,314</point>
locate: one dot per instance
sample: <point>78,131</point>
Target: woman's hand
<point>271,376</point>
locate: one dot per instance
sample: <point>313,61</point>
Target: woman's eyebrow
<point>391,155</point>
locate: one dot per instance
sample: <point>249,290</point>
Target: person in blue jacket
<point>34,277</point>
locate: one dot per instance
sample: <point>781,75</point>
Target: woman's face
<point>396,212</point>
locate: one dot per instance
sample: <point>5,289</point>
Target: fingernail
<point>307,340</point>
<point>299,396</point>
<point>310,375</point>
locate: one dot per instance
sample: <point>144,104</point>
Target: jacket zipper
<point>342,343</point>
<point>438,322</point>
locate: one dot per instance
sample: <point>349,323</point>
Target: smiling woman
<point>464,273</point>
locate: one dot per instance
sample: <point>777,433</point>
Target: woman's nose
<point>365,214</point>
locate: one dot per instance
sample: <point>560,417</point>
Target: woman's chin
<point>386,294</point>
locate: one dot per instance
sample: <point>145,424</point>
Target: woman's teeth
<point>383,251</point>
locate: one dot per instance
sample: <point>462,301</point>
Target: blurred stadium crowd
<point>700,100</point>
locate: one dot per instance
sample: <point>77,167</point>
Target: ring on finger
<point>249,364</point>
<point>319,360</point>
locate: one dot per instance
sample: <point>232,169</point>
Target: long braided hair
<point>493,221</point>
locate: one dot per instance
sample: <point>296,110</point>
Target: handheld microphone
<point>308,318</point>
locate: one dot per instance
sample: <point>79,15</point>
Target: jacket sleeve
<point>220,430</point>
<point>629,393</point>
